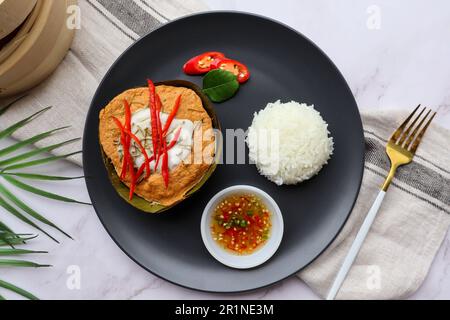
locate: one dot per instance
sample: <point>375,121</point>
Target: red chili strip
<point>169,147</point>
<point>165,166</point>
<point>138,142</point>
<point>154,125</point>
<point>171,144</point>
<point>175,139</point>
<point>125,140</point>
<point>172,115</point>
<point>123,173</point>
<point>158,122</point>
<point>142,167</point>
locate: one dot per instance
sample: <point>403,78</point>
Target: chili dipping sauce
<point>241,223</point>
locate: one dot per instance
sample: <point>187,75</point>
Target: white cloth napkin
<point>411,223</point>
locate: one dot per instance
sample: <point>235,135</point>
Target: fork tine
<point>416,142</point>
<point>400,129</point>
<point>406,133</point>
<point>414,133</point>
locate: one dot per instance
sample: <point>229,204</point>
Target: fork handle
<point>356,246</point>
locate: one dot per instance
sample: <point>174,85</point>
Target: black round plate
<point>284,65</point>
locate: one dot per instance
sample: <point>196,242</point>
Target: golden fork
<point>401,149</point>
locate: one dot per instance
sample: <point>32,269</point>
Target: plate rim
<point>208,13</point>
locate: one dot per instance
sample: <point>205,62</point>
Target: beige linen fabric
<point>410,226</point>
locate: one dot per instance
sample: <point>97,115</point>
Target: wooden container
<point>13,13</point>
<point>40,50</point>
<point>12,41</point>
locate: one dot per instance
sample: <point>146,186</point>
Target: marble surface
<point>394,54</point>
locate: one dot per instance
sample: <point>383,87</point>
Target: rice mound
<point>289,142</point>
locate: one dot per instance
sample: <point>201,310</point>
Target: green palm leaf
<point>10,171</point>
<point>14,252</point>
<point>5,108</point>
<point>22,264</point>
<point>11,239</point>
<point>4,227</point>
<point>19,203</point>
<point>35,152</point>
<point>28,142</point>
<point>13,288</point>
<point>17,263</point>
<point>38,162</point>
<point>19,215</point>
<point>13,242</point>
<point>6,233</point>
<point>10,130</point>
<point>33,176</point>
<point>39,192</point>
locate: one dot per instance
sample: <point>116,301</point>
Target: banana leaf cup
<point>149,207</point>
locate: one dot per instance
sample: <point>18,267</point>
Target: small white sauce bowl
<point>262,254</point>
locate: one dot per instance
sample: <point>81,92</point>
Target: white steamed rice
<point>289,142</point>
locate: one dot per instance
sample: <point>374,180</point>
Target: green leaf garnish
<point>220,85</point>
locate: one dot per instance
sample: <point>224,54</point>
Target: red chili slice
<point>165,166</point>
<point>175,139</point>
<point>202,63</point>
<point>141,169</point>
<point>123,173</point>
<point>172,115</point>
<point>158,122</point>
<point>240,70</point>
<point>153,120</point>
<point>138,142</point>
<point>125,140</point>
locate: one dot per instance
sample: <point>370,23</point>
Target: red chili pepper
<point>165,166</point>
<point>240,70</point>
<point>158,110</point>
<point>154,125</point>
<point>157,160</point>
<point>202,63</point>
<point>160,135</point>
<point>172,143</point>
<point>127,114</point>
<point>142,167</point>
<point>125,140</point>
<point>175,139</point>
<point>123,173</point>
<point>172,115</point>
<point>138,142</point>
